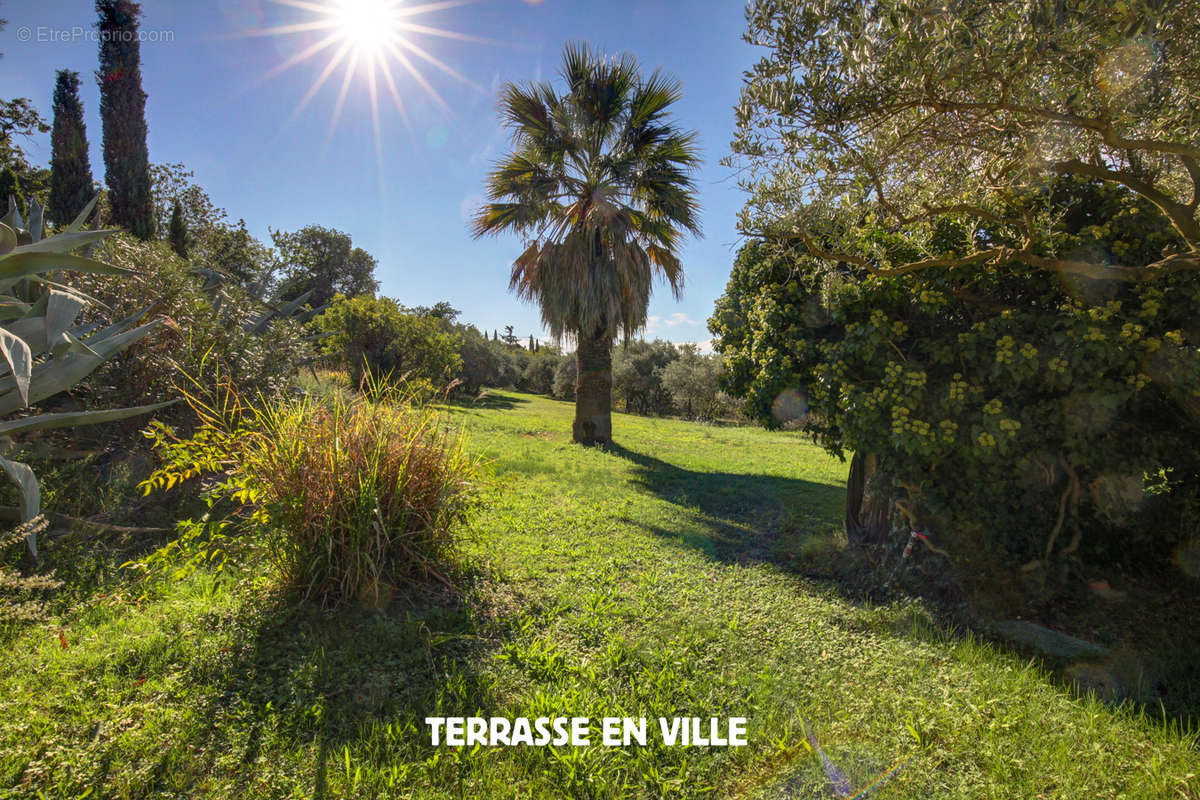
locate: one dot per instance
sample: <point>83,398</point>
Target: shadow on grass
<point>330,681</point>
<point>488,401</point>
<point>789,523</point>
<point>745,517</point>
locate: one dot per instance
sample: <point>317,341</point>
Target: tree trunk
<point>593,389</point>
<point>868,502</point>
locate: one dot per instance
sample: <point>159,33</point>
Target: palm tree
<point>599,182</point>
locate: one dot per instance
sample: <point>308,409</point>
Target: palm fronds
<point>599,182</point>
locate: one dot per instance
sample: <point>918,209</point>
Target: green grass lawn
<point>650,580</point>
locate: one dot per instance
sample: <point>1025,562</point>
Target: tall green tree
<point>70,169</point>
<point>232,250</point>
<point>123,114</point>
<point>910,112</point>
<point>177,232</point>
<point>599,183</point>
<point>325,262</point>
<point>175,182</point>
<point>10,189</point>
<point>18,178</point>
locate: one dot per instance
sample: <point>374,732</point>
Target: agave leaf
<point>66,242</point>
<point>305,316</point>
<point>73,343</point>
<point>31,493</point>
<point>82,218</point>
<point>119,326</point>
<point>21,262</point>
<point>316,337</point>
<point>62,287</point>
<point>80,331</point>
<point>286,310</point>
<point>8,239</point>
<point>12,308</point>
<point>13,218</point>
<point>61,373</point>
<point>32,331</point>
<point>43,422</point>
<point>35,220</point>
<point>38,309</point>
<point>20,361</point>
<point>61,310</point>
<point>212,277</point>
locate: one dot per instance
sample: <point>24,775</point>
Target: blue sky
<point>213,107</point>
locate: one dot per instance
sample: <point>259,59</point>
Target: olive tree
<point>901,112</point>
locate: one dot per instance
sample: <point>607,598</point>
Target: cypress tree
<point>123,112</point>
<point>10,187</point>
<point>70,170</point>
<point>177,232</point>
<point>532,344</point>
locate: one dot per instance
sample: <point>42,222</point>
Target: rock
<point>1095,679</point>
<point>1048,642</point>
<point>1122,675</point>
<point>1103,590</point>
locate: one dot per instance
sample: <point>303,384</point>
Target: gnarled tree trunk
<point>593,389</point>
<point>868,502</point>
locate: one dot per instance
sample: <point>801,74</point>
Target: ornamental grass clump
<point>359,497</point>
<point>350,498</point>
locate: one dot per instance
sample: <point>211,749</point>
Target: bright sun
<point>367,23</point>
<point>371,36</point>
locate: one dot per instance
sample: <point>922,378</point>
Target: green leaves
<point>910,113</point>
<point>31,493</point>
<point>8,239</point>
<point>20,362</point>
<point>71,419</point>
<point>43,349</point>
<point>23,262</point>
<point>600,185</point>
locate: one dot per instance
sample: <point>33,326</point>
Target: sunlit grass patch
<point>610,583</point>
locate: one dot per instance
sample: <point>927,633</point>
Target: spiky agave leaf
<point>44,351</point>
<point>60,373</point>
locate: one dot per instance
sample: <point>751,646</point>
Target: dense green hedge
<point>1001,400</point>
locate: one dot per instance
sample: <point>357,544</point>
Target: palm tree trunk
<point>593,389</point>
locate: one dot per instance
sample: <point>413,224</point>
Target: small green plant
<point>352,498</point>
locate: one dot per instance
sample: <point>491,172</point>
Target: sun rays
<point>374,40</point>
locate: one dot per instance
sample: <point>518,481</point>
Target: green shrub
<point>351,499</point>
<point>564,378</point>
<point>483,362</point>
<point>538,376</point>
<point>375,336</point>
<point>691,381</point>
<point>1024,416</point>
<point>205,329</point>
<point>637,376</point>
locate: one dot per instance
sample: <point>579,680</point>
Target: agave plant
<point>45,350</point>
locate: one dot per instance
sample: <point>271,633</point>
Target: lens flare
<point>790,408</point>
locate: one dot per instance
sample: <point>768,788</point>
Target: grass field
<point>650,580</point>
